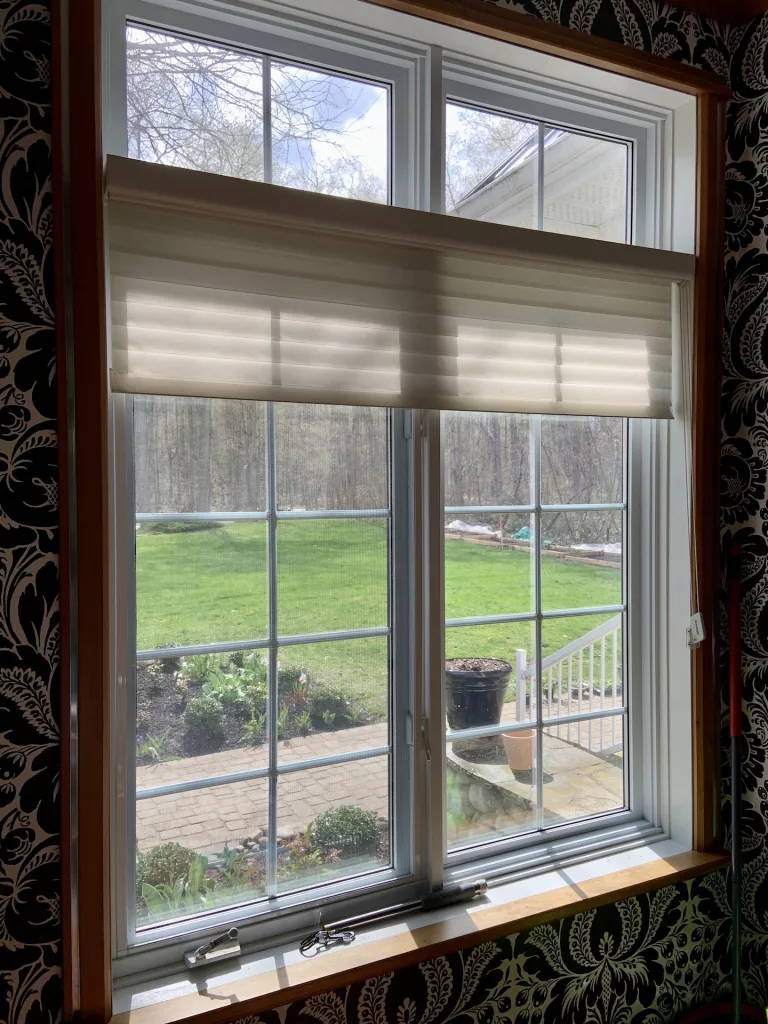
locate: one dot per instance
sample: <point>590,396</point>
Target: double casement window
<point>394,465</point>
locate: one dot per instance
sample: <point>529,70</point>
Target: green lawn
<point>212,586</point>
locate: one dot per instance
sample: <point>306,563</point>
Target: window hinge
<point>425,738</point>
<point>407,424</point>
<point>409,728</point>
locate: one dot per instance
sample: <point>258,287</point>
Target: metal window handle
<point>222,947</point>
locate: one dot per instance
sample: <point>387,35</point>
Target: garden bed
<point>206,703</point>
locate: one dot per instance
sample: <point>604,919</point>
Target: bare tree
<point>476,143</point>
<point>199,105</point>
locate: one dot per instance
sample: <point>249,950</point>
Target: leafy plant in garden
<point>299,857</point>
<point>152,748</point>
<point>204,722</point>
<point>193,891</point>
<point>197,667</point>
<point>227,689</point>
<point>162,865</point>
<point>255,728</point>
<point>303,722</point>
<point>348,829</point>
<point>282,722</point>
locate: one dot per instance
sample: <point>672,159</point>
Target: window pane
<point>331,457</point>
<point>333,822</point>
<point>586,767</point>
<point>490,166</point>
<point>329,133</point>
<point>193,104</point>
<point>581,559</point>
<point>486,458</point>
<point>332,574</point>
<point>198,454</point>
<point>585,186</point>
<point>582,460</point>
<point>200,582</point>
<point>486,798</point>
<point>333,698</point>
<point>487,667</point>
<point>489,564</point>
<point>581,665</point>
<point>200,850</point>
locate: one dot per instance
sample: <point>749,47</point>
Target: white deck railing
<point>582,677</point>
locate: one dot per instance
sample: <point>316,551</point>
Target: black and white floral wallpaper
<point>30,886</point>
<point>645,959</point>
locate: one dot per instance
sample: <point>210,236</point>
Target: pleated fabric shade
<point>237,289</point>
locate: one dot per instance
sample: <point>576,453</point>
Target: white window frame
<point>422,69</point>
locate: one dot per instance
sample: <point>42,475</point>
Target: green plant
<point>171,664</point>
<point>152,748</point>
<point>282,722</point>
<point>197,667</point>
<point>227,689</point>
<point>303,722</point>
<point>162,865</point>
<point>191,891</point>
<point>328,705</point>
<point>237,659</point>
<point>254,729</point>
<point>298,857</point>
<point>348,829</point>
<point>204,722</point>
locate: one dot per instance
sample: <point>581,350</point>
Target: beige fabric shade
<point>229,288</point>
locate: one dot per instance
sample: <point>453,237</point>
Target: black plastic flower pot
<point>474,691</point>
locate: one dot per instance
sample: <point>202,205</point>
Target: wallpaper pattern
<point>643,959</point>
<point>30,887</point>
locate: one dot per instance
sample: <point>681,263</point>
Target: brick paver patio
<point>205,819</point>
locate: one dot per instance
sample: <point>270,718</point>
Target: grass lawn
<point>212,586</point>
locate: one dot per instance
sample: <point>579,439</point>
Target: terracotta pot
<point>520,748</point>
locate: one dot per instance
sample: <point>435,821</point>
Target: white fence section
<point>582,677</point>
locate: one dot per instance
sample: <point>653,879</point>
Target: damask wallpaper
<point>642,960</point>
<point>30,889</point>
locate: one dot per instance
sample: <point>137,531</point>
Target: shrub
<point>195,526</point>
<point>328,706</point>
<point>204,721</point>
<point>163,865</point>
<point>348,829</point>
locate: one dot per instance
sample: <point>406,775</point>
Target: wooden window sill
<point>287,982</point>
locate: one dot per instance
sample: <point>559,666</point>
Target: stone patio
<point>205,819</point>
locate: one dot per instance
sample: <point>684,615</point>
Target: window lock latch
<point>222,947</point>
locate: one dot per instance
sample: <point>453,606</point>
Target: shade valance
<point>229,288</point>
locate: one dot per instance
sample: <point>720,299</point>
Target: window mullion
<point>540,177</point>
<point>266,116</point>
<point>272,669</point>
<point>535,450</point>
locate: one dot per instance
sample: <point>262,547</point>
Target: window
<point>534,590</point>
<point>384,611</point>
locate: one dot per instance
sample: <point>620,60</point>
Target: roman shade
<point>230,288</point>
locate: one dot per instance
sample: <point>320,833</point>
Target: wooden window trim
<point>82,371</point>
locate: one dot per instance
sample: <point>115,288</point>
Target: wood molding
<point>497,22</point>
<point>85,449</point>
<point>706,464</point>
<point>345,966</point>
